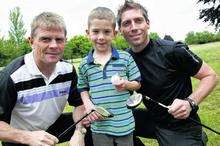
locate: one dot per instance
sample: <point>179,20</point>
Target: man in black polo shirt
<point>166,68</point>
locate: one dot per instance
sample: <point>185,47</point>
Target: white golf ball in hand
<point>116,79</point>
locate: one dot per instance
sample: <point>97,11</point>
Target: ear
<point>30,40</point>
<point>148,24</point>
<point>115,32</point>
<point>87,32</point>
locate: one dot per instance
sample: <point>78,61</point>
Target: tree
<point>17,31</point>
<point>211,12</point>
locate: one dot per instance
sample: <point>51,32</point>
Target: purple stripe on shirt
<point>43,96</point>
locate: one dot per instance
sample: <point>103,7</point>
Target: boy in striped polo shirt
<point>94,83</point>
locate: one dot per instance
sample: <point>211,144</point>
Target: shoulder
<point>169,47</point>
<point>123,54</point>
<point>13,66</point>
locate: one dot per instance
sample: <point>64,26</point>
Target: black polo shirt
<point>166,68</point>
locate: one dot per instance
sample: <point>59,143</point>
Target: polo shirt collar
<point>31,65</point>
<point>90,59</point>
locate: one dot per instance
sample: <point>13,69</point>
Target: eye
<point>107,31</point>
<point>95,31</point>
<point>126,23</point>
<point>45,39</point>
<point>60,40</point>
<point>139,20</point>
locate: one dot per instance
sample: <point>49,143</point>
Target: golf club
<point>102,111</point>
<point>136,98</point>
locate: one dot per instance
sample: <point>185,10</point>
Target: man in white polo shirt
<point>34,88</point>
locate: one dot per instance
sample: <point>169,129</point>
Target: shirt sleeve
<point>83,79</point>
<point>8,97</point>
<point>74,96</point>
<point>185,60</point>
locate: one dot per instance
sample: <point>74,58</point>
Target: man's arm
<point>32,138</point>
<point>78,137</point>
<point>181,109</point>
<point>208,80</point>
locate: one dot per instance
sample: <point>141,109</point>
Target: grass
<point>210,108</point>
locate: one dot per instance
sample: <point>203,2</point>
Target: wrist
<point>80,129</point>
<point>192,104</point>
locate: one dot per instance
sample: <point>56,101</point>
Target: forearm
<point>132,85</point>
<point>205,86</point>
<point>208,80</point>
<point>78,113</point>
<point>10,134</point>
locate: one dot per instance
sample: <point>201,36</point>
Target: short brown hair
<point>129,5</point>
<point>102,13</point>
<point>47,20</point>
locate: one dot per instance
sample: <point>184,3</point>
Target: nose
<point>133,26</point>
<point>53,43</point>
<point>101,36</point>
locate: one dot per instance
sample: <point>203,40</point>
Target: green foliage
<point>210,12</point>
<point>17,30</point>
<point>8,51</point>
<point>77,47</point>
<point>120,43</point>
<point>154,36</point>
<point>200,37</point>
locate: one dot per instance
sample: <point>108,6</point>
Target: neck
<point>139,48</point>
<point>102,57</point>
<point>46,69</point>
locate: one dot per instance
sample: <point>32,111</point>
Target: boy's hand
<point>92,116</point>
<point>121,86</point>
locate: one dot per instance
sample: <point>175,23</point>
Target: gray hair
<point>47,20</point>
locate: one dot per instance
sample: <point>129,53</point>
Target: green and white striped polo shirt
<point>97,80</point>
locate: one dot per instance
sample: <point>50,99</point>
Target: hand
<point>39,138</point>
<point>180,109</point>
<point>77,139</point>
<point>121,86</point>
<point>92,116</point>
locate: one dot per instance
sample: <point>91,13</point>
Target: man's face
<point>48,45</point>
<point>134,27</point>
<point>101,32</point>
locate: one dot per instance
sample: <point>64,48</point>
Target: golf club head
<point>134,100</point>
<point>103,112</point>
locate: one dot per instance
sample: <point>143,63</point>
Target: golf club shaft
<point>191,119</point>
<point>69,128</point>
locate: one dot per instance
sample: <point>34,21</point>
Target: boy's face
<point>101,32</point>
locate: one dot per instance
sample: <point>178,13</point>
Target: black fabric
<point>61,124</point>
<point>74,98</point>
<point>147,128</point>
<point>166,68</point>
<point>8,92</point>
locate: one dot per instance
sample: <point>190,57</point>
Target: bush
<point>77,47</point>
<point>154,36</point>
<point>120,43</point>
<point>199,37</point>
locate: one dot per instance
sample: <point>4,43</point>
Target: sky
<point>172,17</point>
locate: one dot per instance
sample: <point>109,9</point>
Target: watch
<point>81,129</point>
<point>193,104</point>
